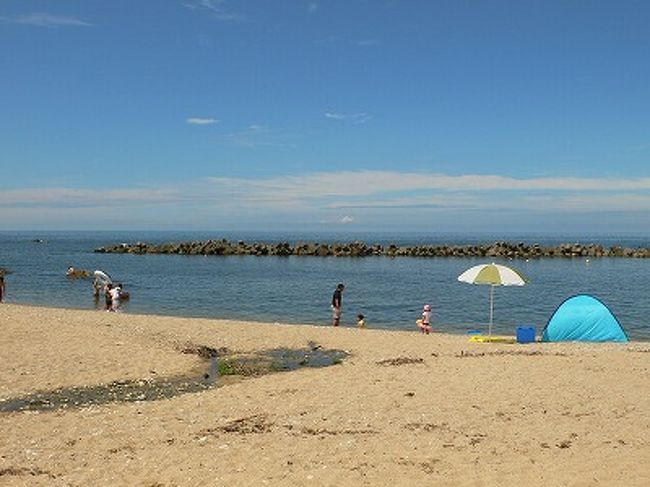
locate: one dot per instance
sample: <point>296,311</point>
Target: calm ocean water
<point>390,292</point>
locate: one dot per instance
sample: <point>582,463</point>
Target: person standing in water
<point>2,287</point>
<point>336,304</point>
<point>424,323</point>
<point>108,296</point>
<point>97,287</point>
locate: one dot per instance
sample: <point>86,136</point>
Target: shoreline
<point>438,329</point>
<point>400,409</point>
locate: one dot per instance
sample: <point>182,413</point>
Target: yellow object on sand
<point>492,339</point>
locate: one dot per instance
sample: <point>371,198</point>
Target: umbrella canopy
<point>492,275</point>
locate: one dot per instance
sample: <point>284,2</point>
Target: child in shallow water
<point>424,323</point>
<point>116,298</point>
<point>361,322</point>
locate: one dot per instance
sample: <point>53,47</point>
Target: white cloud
<point>349,183</point>
<point>356,118</point>
<point>459,201</point>
<point>66,197</point>
<point>201,121</point>
<point>42,19</point>
<point>216,8</point>
<point>379,196</point>
<point>350,189</point>
<point>214,5</point>
<point>335,116</point>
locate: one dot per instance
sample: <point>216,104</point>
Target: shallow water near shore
<point>390,292</point>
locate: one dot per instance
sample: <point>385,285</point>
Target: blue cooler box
<point>525,334</point>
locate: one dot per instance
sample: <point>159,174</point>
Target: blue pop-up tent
<point>583,318</point>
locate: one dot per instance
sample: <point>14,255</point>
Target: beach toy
<point>492,339</point>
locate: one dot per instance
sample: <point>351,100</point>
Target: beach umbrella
<point>492,275</point>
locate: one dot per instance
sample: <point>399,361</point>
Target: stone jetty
<point>508,250</point>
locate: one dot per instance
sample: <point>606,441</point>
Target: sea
<point>389,292</point>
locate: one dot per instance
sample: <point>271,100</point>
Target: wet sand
<point>399,409</point>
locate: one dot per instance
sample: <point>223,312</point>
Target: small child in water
<point>424,323</point>
<point>116,298</point>
<point>361,322</point>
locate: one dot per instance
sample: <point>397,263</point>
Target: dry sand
<point>454,413</point>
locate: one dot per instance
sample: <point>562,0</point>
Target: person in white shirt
<point>116,297</point>
<point>424,323</point>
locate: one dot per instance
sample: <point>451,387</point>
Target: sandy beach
<point>400,409</point>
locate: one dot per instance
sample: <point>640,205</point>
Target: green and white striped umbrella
<point>492,275</point>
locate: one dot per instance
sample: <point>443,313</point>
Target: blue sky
<point>392,115</point>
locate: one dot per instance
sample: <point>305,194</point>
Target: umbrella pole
<point>491,309</point>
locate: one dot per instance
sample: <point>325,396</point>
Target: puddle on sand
<point>286,359</point>
<point>223,368</point>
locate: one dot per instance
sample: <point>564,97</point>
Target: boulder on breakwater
<point>508,250</point>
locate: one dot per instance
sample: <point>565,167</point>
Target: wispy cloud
<point>335,116</point>
<point>346,197</point>
<point>356,118</point>
<point>384,189</point>
<point>69,197</point>
<point>42,19</point>
<point>201,121</point>
<point>216,8</point>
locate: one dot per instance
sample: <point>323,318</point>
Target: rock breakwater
<point>507,250</point>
